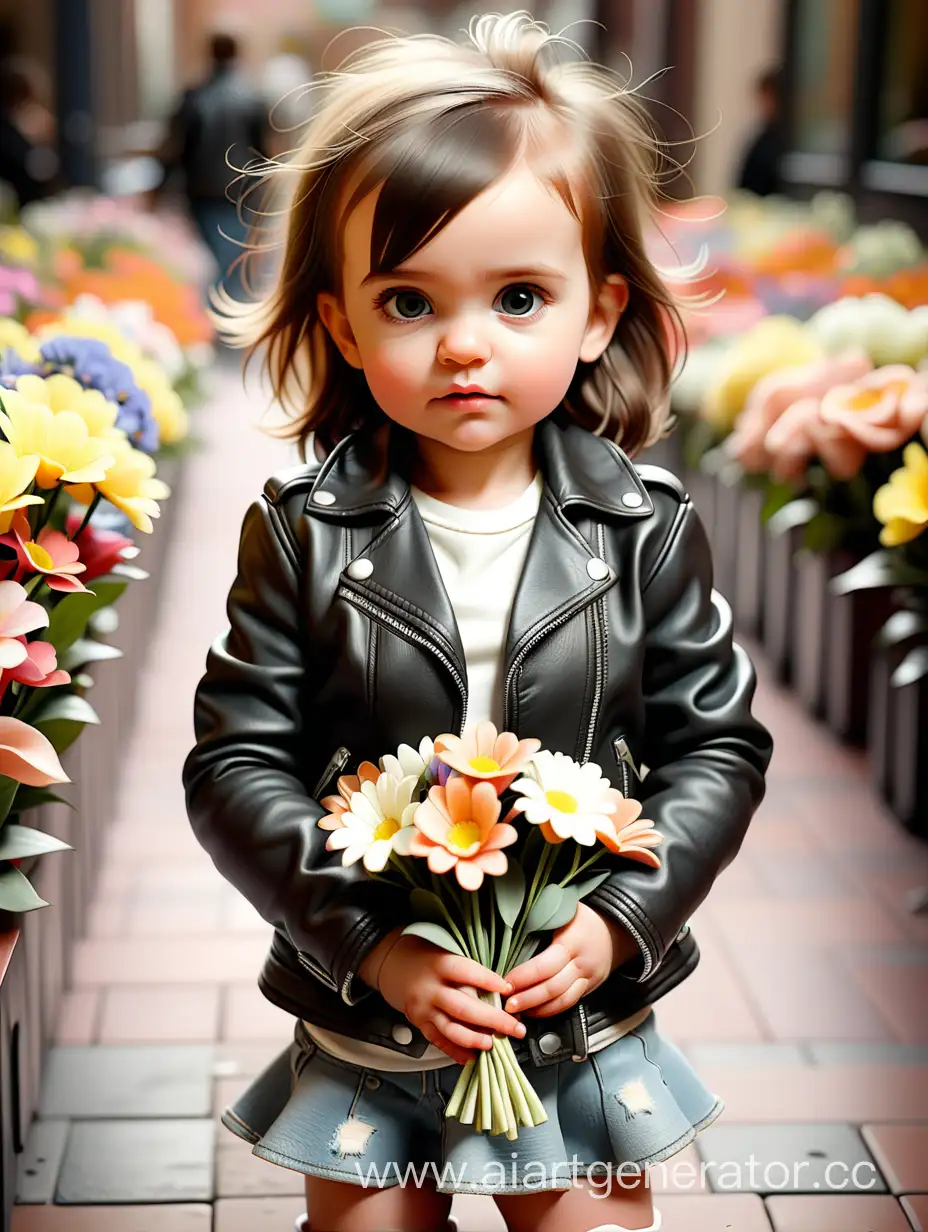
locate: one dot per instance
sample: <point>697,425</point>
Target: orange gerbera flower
<point>628,834</point>
<point>347,784</point>
<point>482,753</point>
<point>458,827</point>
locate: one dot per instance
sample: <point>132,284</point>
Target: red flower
<point>100,550</point>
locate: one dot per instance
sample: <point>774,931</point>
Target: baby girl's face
<point>499,299</point>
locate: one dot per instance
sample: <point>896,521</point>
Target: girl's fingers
<point>564,1001</point>
<point>434,1036</point>
<point>544,991</point>
<point>460,970</point>
<point>458,1034</point>
<point>472,1009</point>
<point>551,960</point>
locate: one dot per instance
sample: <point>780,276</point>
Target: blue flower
<point>13,365</point>
<point>90,362</point>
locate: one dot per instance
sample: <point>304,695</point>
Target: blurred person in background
<point>285,80</point>
<point>28,162</point>
<point>760,166</point>
<point>219,127</point>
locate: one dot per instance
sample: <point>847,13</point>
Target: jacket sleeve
<point>247,803</point>
<point>706,755</point>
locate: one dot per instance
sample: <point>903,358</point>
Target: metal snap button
<point>634,500</point>
<point>360,569</point>
<point>372,1082</point>
<point>324,498</point>
<point>597,569</point>
<point>549,1043</point>
<point>402,1034</point>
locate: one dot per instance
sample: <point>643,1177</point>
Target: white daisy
<point>376,814</point>
<point>573,800</point>
<point>409,760</point>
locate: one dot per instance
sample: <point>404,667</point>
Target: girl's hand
<point>435,990</point>
<point>582,954</point>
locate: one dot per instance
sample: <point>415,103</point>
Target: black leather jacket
<point>325,665</point>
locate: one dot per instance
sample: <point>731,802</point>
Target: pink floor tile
<point>902,1154</point>
<point>716,1213</point>
<point>836,1213</point>
<point>162,1014</point>
<point>180,1218</point>
<point>248,1015</point>
<point>901,992</point>
<point>856,1094</point>
<point>257,1214</point>
<point>240,1174</point>
<point>161,961</point>
<point>78,1016</point>
<point>916,1208</point>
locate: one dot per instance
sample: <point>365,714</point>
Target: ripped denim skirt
<point>633,1104</point>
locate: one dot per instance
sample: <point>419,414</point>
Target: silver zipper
<point>624,758</point>
<point>313,968</point>
<point>336,765</point>
<point>581,1013</point>
<point>643,946</point>
<point>414,636</point>
<point>599,654</point>
<point>517,661</point>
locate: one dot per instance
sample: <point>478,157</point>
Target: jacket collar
<point>365,474</point>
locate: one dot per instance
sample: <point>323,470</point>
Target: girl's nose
<point>463,344</point>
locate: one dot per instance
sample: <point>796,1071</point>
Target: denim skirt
<point>633,1104</point>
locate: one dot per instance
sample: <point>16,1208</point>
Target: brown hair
<point>435,123</point>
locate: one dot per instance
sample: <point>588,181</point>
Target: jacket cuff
<point>367,933</point>
<point>615,905</point>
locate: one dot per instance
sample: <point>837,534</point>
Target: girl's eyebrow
<point>492,275</point>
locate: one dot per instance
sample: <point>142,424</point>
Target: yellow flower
<point>129,484</point>
<point>62,393</point>
<point>902,504</point>
<point>167,409</point>
<point>67,452</point>
<point>18,245</point>
<point>17,337</point>
<point>16,474</point>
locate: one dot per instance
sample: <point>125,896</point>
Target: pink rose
<point>800,434</point>
<point>881,410</point>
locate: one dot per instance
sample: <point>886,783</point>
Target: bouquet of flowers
<point>489,834</point>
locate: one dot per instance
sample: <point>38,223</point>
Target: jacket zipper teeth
<point>599,655</point>
<point>336,765</point>
<point>643,946</point>
<point>517,661</point>
<point>584,1031</point>
<point>415,636</point>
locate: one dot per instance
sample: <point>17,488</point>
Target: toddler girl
<point>474,342</point>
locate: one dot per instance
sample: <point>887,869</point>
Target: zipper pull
<point>624,755</point>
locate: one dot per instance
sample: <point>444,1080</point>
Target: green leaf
<point>526,951</point>
<point>132,573</point>
<point>589,884</point>
<point>63,720</point>
<point>16,893</point>
<point>777,495</point>
<point>87,650</point>
<point>567,910</point>
<point>879,569</point>
<point>427,904</point>
<point>435,933</point>
<point>510,893</point>
<point>70,615</point>
<point>912,669</point>
<point>34,797</point>
<point>824,533</point>
<point>8,790</point>
<point>19,842</point>
<point>546,905</point>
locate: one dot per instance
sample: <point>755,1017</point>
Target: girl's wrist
<point>372,965</point>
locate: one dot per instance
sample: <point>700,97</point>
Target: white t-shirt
<point>480,554</point>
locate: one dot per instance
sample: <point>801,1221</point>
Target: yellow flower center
<point>868,398</point>
<point>483,765</point>
<point>39,557</point>
<point>387,828</point>
<point>562,801</point>
<point>463,834</point>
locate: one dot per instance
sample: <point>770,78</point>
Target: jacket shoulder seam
<point>659,477</point>
<point>670,538</point>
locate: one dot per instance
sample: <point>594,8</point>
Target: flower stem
<point>586,864</point>
<point>46,513</point>
<point>91,510</point>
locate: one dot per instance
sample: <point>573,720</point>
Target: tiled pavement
<point>808,1013</point>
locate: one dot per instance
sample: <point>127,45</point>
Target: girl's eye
<point>520,301</point>
<point>408,305</point>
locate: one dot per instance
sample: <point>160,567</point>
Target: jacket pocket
<point>338,761</point>
<point>627,767</point>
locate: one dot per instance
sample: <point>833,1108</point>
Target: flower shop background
<point>801,421</point>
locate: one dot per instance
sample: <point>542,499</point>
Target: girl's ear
<point>611,302</point>
<point>333,317</point>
